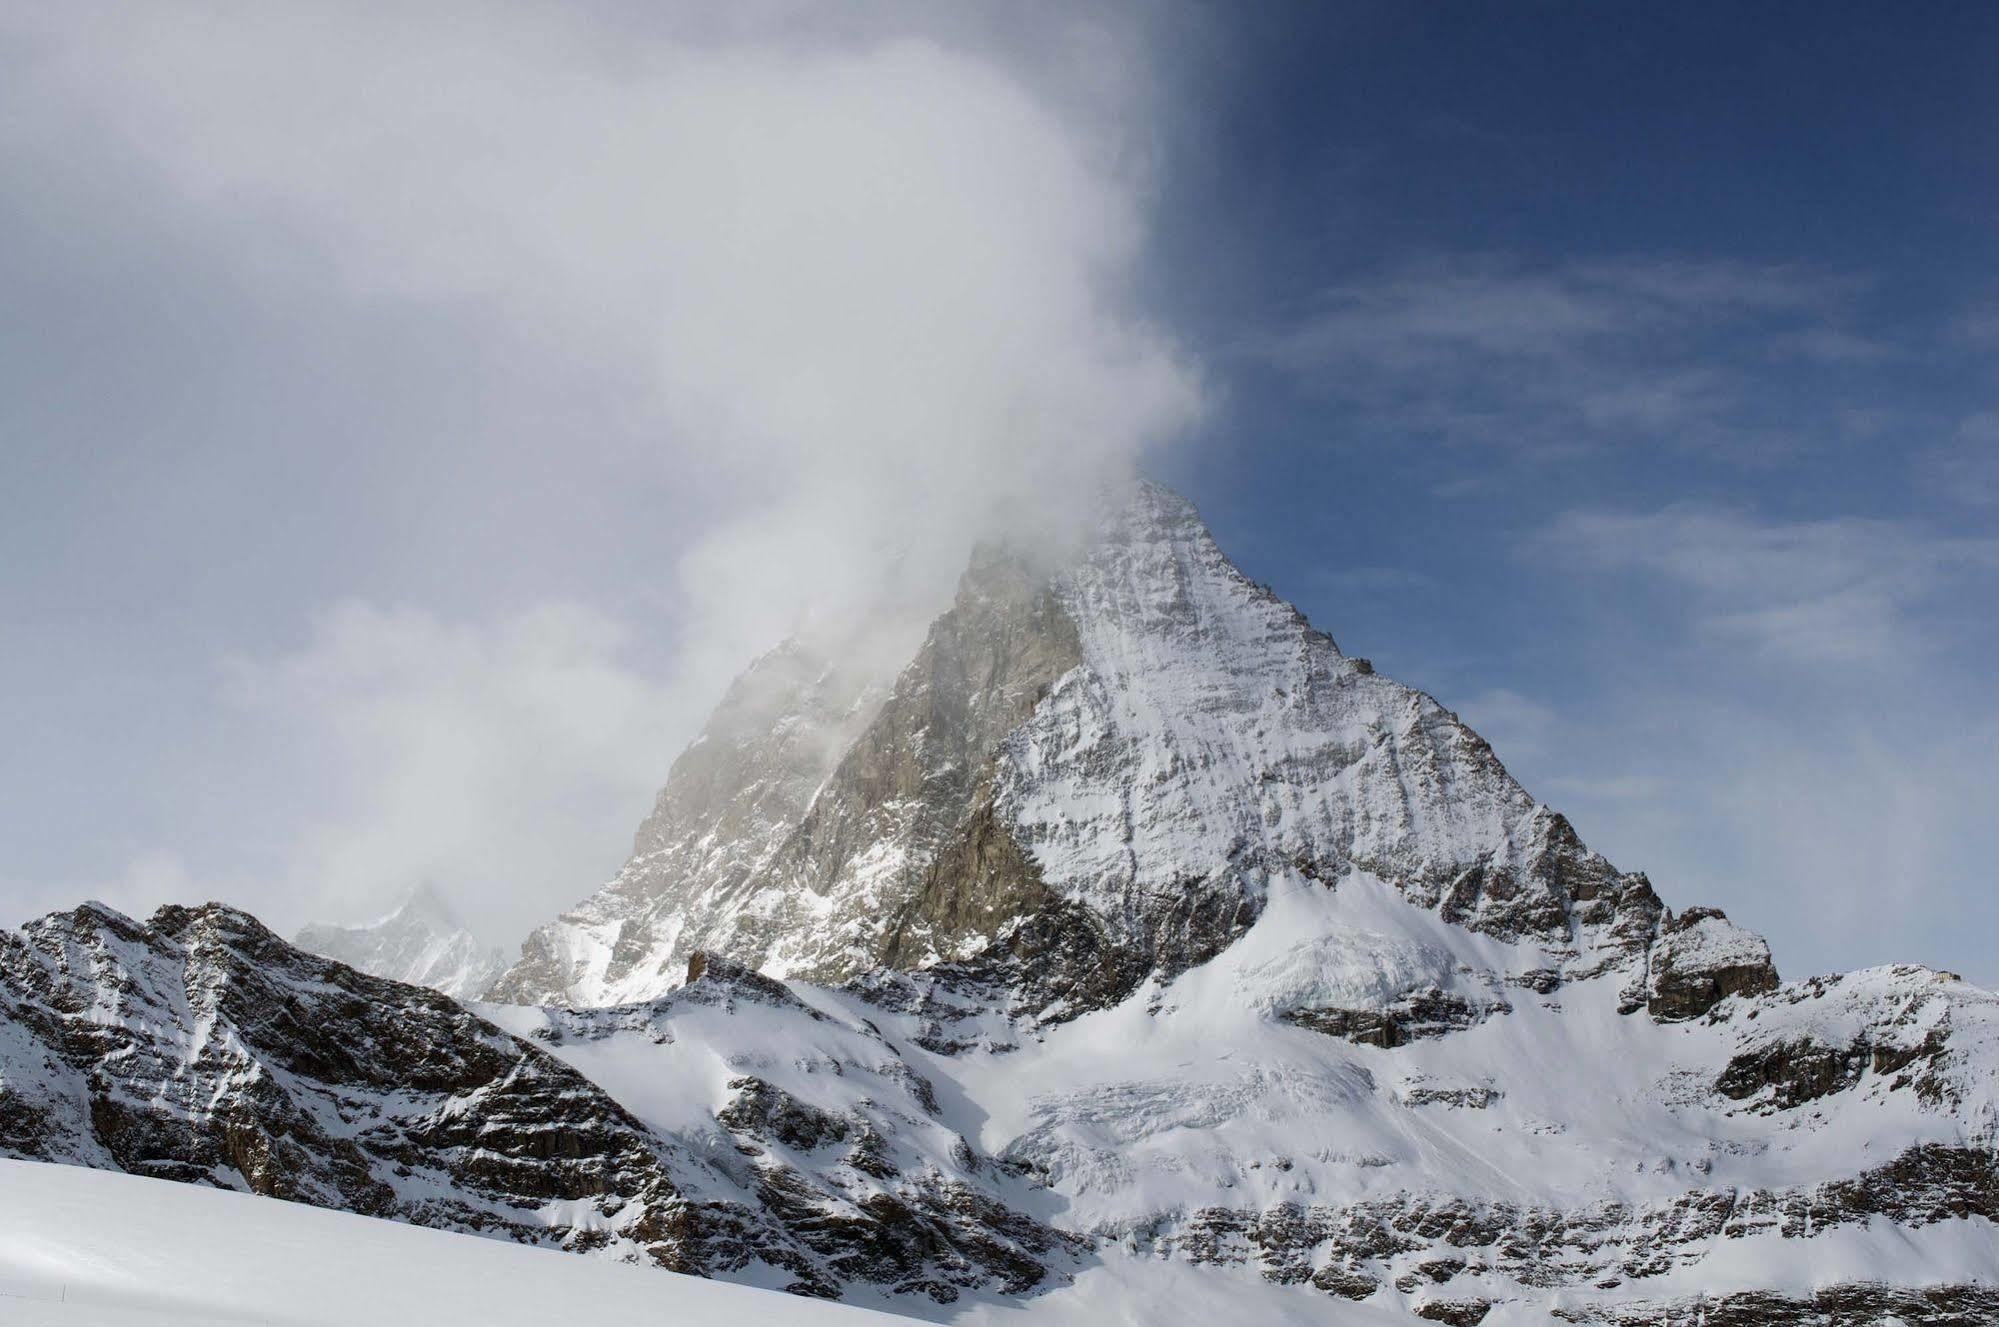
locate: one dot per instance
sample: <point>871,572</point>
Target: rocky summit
<point>1132,935</point>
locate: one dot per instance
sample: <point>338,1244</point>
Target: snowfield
<point>91,1248</point>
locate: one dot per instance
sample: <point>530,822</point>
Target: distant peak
<point>424,900</point>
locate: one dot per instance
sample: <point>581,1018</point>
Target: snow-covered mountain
<point>1092,778</point>
<point>421,942</point>
<point>1132,952</point>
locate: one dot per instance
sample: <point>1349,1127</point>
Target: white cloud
<point>791,304</point>
<point>146,882</point>
<point>1828,591</point>
<point>1789,719</point>
<point>1553,358</point>
<point>498,761</point>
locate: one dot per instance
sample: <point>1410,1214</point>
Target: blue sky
<point>1625,375</point>
<point>387,482</point>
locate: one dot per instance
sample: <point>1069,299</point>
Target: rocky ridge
<point>200,1047</point>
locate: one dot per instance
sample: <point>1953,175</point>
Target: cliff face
<point>729,804</point>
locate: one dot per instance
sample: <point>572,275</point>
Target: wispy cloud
<point>1555,357</point>
<point>146,882</point>
<point>1828,591</point>
<point>726,321</point>
<point>1965,470</point>
<point>1789,718</point>
<point>502,760</point>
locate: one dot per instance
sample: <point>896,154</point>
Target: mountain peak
<point>1088,775</point>
<point>421,942</point>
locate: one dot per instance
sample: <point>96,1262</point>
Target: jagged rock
<point>1702,958</point>
<point>1473,1096</point>
<point>199,1046</point>
<point>1427,1013</point>
<point>770,1114</point>
<point>1087,778</point>
<point>1854,1304</point>
<point>729,801</point>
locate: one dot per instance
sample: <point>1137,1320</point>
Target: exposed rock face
<point>823,1119</point>
<point>199,1046</point>
<point>1701,959</point>
<point>900,861</point>
<point>421,943</point>
<point>1356,1251</point>
<point>1130,921</point>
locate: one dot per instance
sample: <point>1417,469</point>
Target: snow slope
<point>89,1248</point>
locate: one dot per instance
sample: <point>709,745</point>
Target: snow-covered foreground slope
<point>85,1248</point>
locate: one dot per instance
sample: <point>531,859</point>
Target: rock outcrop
<point>1700,959</point>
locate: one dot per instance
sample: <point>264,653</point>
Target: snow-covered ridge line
<point>198,1046</point>
<point>773,1133</point>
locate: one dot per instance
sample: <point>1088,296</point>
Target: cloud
<point>146,882</point>
<point>497,760</point>
<point>1965,470</point>
<point>1790,719</point>
<point>1829,591</point>
<point>708,325</point>
<point>1557,357</point>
